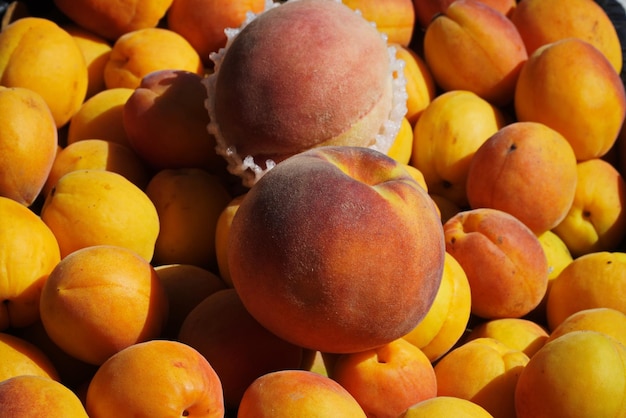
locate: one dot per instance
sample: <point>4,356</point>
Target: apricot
<point>90,154</point>
<point>448,317</point>
<point>543,22</point>
<point>145,380</point>
<point>112,19</point>
<point>20,357</point>
<point>28,143</point>
<point>472,46</point>
<point>93,207</point>
<point>596,220</point>
<point>426,10</point>
<point>395,18</point>
<point>222,232</point>
<point>517,333</point>
<point>188,202</point>
<point>30,252</point>
<point>37,54</point>
<point>444,407</point>
<point>27,396</point>
<point>609,321</point>
<point>306,251</point>
<point>420,85</point>
<point>101,299</point>
<point>264,105</point>
<point>594,280</point>
<point>101,117</point>
<point>490,371</point>
<point>447,135</point>
<point>301,393</point>
<point>203,22</point>
<point>509,172</point>
<point>585,103</point>
<point>96,51</point>
<point>402,146</point>
<point>503,259</point>
<point>140,52</point>
<point>166,122</point>
<point>237,346</point>
<point>403,374</point>
<point>580,374</point>
<point>186,286</point>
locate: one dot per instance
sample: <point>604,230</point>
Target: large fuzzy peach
<point>472,46</point>
<point>509,172</point>
<point>503,259</point>
<point>337,249</point>
<point>572,87</point>
<point>303,74</point>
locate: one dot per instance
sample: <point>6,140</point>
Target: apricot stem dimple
<point>586,214</point>
<point>513,147</point>
<point>185,413</point>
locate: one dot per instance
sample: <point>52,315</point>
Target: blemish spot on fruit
<point>513,147</point>
<point>586,214</point>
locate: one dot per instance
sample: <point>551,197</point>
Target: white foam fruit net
<point>245,166</point>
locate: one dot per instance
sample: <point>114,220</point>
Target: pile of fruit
<point>312,208</point>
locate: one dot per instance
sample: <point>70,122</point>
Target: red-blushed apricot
<point>264,105</point>
<point>472,46</point>
<point>426,10</point>
<point>484,371</point>
<point>166,122</point>
<point>158,379</point>
<point>509,172</point>
<point>594,280</point>
<point>237,346</point>
<point>503,259</point>
<point>580,374</point>
<point>388,379</point>
<point>585,103</point>
<point>337,249</point>
<point>297,393</point>
<point>542,22</point>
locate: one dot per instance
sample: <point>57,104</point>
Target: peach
<point>585,103</point>
<point>447,135</point>
<point>28,143</point>
<point>517,333</point>
<point>426,10</point>
<point>20,357</point>
<point>596,220</point>
<point>472,46</point>
<point>237,346</point>
<point>444,407</point>
<point>447,319</point>
<point>101,299</point>
<point>188,202</point>
<point>96,51</point>
<point>203,22</point>
<point>111,19</point>
<point>420,85</point>
<point>543,22</point>
<point>100,117</point>
<point>580,374</point>
<point>158,379</point>
<point>509,172</point>
<point>504,262</point>
<point>140,52</point>
<point>594,280</point>
<point>27,396</point>
<point>37,54</point>
<point>484,371</point>
<point>265,106</point>
<point>30,252</point>
<point>362,269</point>
<point>186,286</point>
<point>386,380</point>
<point>395,18</point>
<point>609,321</point>
<point>166,121</point>
<point>297,393</point>
<point>94,154</point>
<point>94,207</point>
